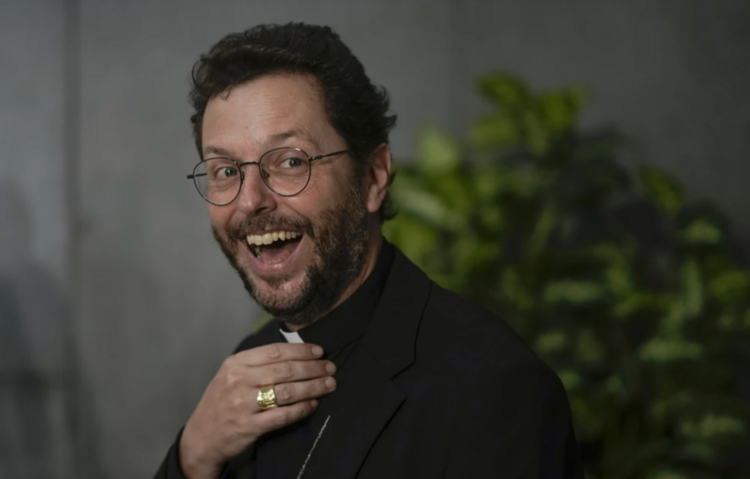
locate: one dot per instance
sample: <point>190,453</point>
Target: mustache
<point>244,227</point>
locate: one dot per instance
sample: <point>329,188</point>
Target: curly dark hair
<point>357,109</point>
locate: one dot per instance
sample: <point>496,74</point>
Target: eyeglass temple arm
<point>329,154</point>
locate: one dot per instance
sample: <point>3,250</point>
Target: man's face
<point>296,279</point>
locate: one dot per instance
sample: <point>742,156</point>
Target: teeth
<point>268,238</point>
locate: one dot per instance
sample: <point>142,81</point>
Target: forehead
<point>266,111</point>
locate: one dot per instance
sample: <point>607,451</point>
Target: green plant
<point>632,294</point>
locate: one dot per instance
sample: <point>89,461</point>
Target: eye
<point>292,162</point>
<point>225,172</point>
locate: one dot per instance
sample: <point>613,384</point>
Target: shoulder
<point>471,342</point>
<point>506,410</point>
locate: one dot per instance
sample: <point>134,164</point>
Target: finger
<point>273,353</point>
<point>281,416</point>
<point>288,371</point>
<point>290,393</point>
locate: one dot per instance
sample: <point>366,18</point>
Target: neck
<point>374,242</point>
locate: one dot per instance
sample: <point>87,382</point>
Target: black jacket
<point>437,388</point>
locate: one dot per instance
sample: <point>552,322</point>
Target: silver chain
<point>302,471</point>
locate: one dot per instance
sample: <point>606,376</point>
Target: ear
<point>377,177</point>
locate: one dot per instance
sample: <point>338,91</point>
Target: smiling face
<point>298,254</point>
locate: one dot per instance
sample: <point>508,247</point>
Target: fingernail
<point>314,403</point>
<point>330,368</point>
<point>317,351</point>
<point>330,383</point>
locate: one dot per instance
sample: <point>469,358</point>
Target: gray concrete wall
<point>37,387</point>
<point>120,281</point>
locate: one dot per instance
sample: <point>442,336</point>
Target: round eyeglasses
<point>286,171</point>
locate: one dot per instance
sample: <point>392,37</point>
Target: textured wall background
<point>116,308</point>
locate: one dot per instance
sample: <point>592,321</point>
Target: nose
<point>255,198</point>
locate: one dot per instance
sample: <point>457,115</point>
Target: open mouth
<point>275,246</point>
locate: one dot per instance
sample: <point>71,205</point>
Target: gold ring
<point>267,398</point>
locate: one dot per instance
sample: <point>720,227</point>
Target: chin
<point>275,290</point>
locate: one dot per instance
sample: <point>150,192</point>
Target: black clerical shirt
<point>338,333</point>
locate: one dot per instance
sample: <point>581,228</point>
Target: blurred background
<point>116,307</point>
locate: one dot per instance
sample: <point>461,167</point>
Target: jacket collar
<point>391,336</point>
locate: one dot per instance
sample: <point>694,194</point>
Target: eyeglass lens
<point>286,171</point>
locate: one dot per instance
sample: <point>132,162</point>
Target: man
<point>369,369</point>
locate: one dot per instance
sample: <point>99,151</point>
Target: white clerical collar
<point>291,337</point>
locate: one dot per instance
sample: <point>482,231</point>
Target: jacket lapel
<point>367,398</point>
<point>359,409</point>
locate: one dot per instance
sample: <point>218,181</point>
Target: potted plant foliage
<point>630,292</point>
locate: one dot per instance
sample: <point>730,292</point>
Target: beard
<point>339,251</point>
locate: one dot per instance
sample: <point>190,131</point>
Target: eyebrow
<point>270,140</point>
<point>216,150</point>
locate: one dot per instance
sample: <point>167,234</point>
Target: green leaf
<point>588,347</point>
<point>711,425</point>
<point>702,231</point>
<point>437,153</point>
<point>663,189</point>
<point>411,198</point>
<point>524,182</point>
<point>731,286</point>
<point>456,194</point>
<point>505,90</point>
<point>573,292</point>
<point>619,278</point>
<point>663,350</point>
<point>494,131</point>
<point>692,288</point>
<point>515,291</point>
<point>614,384</point>
<point>638,301</point>
<point>559,109</point>
<point>470,255</point>
<point>699,451</point>
<point>537,137</point>
<point>543,229</point>
<point>493,219</point>
<point>487,184</point>
<point>728,321</point>
<point>417,240</point>
<point>689,303</point>
<point>551,342</point>
<point>571,379</point>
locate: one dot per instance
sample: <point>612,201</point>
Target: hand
<point>228,419</point>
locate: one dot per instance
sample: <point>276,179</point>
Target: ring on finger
<point>267,398</point>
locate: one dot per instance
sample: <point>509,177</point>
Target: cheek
<point>332,187</point>
<point>326,195</point>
